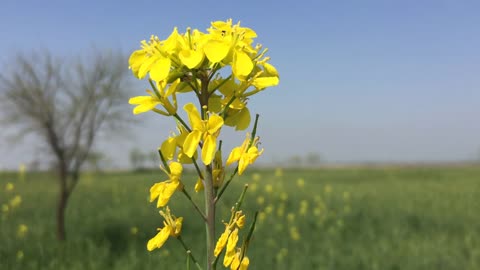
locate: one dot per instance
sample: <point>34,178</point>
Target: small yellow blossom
<point>260,200</point>
<point>20,255</point>
<point>294,234</point>
<point>173,227</point>
<point>159,97</point>
<point>164,190</point>
<point>16,201</point>
<point>199,185</point>
<point>300,182</point>
<point>134,230</point>
<point>279,172</point>
<point>237,221</point>
<point>206,130</point>
<point>22,230</point>
<point>5,208</point>
<point>269,188</point>
<point>256,176</point>
<point>328,189</point>
<point>246,154</point>
<point>9,187</point>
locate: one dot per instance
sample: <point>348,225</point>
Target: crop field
<point>330,218</point>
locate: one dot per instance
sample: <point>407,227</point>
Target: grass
<point>348,218</point>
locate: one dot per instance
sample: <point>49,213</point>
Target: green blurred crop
<point>344,218</point>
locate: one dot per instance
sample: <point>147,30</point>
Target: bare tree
<point>66,105</point>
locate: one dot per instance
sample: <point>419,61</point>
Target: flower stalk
<point>193,62</point>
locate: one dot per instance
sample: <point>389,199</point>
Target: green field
<point>345,218</point>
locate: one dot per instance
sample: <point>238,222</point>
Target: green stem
<point>224,187</point>
<point>210,217</point>
<point>194,204</point>
<point>189,252</point>
<point>198,169</point>
<point>182,122</point>
<point>162,158</point>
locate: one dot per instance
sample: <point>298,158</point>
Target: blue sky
<point>360,80</point>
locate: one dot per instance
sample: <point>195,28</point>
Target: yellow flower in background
<point>278,172</point>
<point>22,230</point>
<point>134,230</point>
<point>172,227</point>
<point>5,208</point>
<point>206,130</point>
<point>164,190</point>
<point>246,154</point>
<point>20,255</point>
<point>16,201</point>
<point>9,187</point>
<point>300,182</point>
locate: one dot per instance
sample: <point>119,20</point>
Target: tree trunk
<point>62,204</point>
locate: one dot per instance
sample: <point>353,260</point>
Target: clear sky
<point>360,80</point>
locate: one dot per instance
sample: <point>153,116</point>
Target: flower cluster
<point>223,68</point>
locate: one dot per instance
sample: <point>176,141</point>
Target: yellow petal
<point>160,69</point>
<point>199,185</point>
<point>242,164</point>
<point>216,50</point>
<point>175,169</point>
<point>232,240</point>
<point>235,262</point>
<point>270,69</point>
<point>244,264</point>
<point>155,190</point>
<point>191,143</point>
<point>214,123</point>
<point>169,147</point>
<point>146,66</point>
<point>222,241</point>
<point>240,120</point>
<point>172,88</point>
<point>158,240</point>
<point>264,82</point>
<point>170,45</point>
<point>234,155</point>
<point>136,60</point>
<point>190,58</point>
<point>208,150</point>
<point>167,192</point>
<point>193,116</point>
<point>178,226</point>
<point>242,64</point>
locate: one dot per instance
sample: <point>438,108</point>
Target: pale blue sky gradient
<point>360,80</point>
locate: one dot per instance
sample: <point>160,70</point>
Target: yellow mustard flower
<point>208,130</point>
<point>172,227</point>
<point>230,250</point>
<point>237,265</point>
<point>16,201</point>
<point>237,221</point>
<point>158,97</point>
<point>170,145</point>
<point>22,230</point>
<point>9,187</point>
<point>164,190</point>
<point>246,154</point>
<point>154,57</point>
